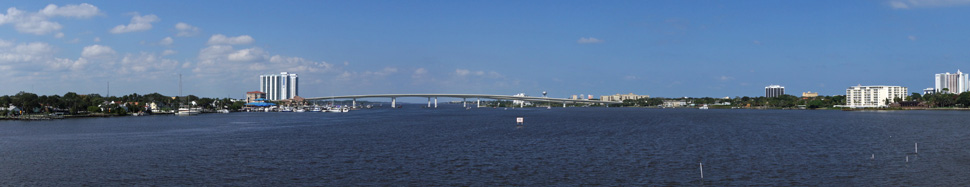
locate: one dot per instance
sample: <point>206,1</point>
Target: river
<point>452,146</point>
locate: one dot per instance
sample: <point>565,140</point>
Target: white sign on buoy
<point>519,120</point>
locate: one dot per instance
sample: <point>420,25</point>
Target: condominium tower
<point>279,86</point>
<point>954,83</point>
<point>774,91</point>
<point>873,96</point>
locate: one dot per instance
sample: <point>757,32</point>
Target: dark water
<point>482,147</point>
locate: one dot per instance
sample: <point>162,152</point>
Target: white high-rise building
<point>279,86</point>
<point>873,96</point>
<point>774,90</point>
<point>955,83</point>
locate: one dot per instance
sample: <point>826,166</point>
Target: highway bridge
<point>465,97</point>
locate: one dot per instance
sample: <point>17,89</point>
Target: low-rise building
<point>253,95</point>
<point>621,97</point>
<point>809,94</point>
<point>873,96</point>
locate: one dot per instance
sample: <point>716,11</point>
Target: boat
<point>316,109</point>
<point>338,109</point>
<point>299,110</point>
<point>187,111</point>
<point>704,107</point>
<point>224,111</point>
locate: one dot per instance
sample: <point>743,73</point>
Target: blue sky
<point>658,48</point>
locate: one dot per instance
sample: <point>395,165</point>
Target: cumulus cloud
<point>168,52</point>
<point>589,40</point>
<point>468,73</point>
<point>33,57</point>
<point>220,39</point>
<point>59,35</point>
<point>143,63</point>
<point>97,52</point>
<point>83,10</point>
<point>250,54</point>
<point>184,29</point>
<point>38,23</point>
<point>228,61</point>
<point>138,23</point>
<point>166,41</point>
<point>907,4</point>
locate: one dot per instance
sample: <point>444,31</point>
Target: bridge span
<point>464,98</point>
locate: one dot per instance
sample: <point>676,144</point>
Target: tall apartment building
<point>774,91</point>
<point>279,86</point>
<point>873,96</point>
<point>954,83</point>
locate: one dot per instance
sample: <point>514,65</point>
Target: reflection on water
<point>482,147</point>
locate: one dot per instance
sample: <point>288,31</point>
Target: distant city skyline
<point>658,48</point>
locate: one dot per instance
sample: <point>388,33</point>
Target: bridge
<point>464,98</point>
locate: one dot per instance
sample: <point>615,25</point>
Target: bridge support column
<point>435,102</point>
<point>354,104</point>
<point>479,102</point>
<point>522,104</point>
<point>464,102</point>
<point>393,102</point>
<point>429,102</point>
<point>564,104</point>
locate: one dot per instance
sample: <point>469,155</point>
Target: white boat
<point>187,111</point>
<point>299,110</point>
<point>316,109</point>
<point>340,109</point>
<point>224,111</point>
<point>704,107</point>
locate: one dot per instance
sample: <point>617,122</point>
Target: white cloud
<point>166,41</point>
<point>146,63</point>
<point>589,40</point>
<point>466,73</point>
<point>38,23</point>
<point>725,78</point>
<point>220,39</point>
<point>83,10</point>
<point>138,23</point>
<point>97,39</point>
<point>630,77</point>
<point>34,57</point>
<point>168,52</point>
<point>250,54</point>
<point>907,4</point>
<point>59,35</point>
<point>186,30</point>
<point>97,52</point>
<point>911,37</point>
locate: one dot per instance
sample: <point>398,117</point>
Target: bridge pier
<point>464,103</point>
<point>393,102</point>
<point>435,102</point>
<point>429,102</point>
<point>354,104</point>
<point>564,104</point>
<point>479,102</point>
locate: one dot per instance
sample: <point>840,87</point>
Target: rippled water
<point>482,147</point>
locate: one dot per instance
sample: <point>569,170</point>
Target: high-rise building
<point>774,91</point>
<point>279,86</point>
<point>873,96</point>
<point>953,83</point>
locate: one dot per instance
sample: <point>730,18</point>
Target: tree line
<point>73,103</point>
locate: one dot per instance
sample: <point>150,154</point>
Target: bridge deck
<point>483,96</point>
